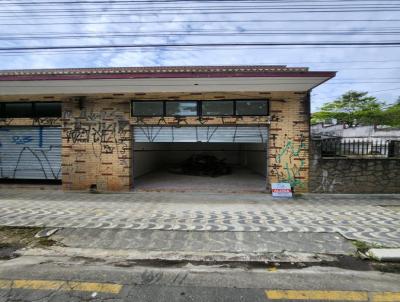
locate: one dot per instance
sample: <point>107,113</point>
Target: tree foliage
<point>391,115</point>
<point>358,108</point>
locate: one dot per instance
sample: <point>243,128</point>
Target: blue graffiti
<point>40,137</point>
<point>22,140</point>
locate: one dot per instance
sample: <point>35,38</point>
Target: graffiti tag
<point>21,140</point>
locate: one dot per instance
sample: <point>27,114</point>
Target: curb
<point>385,255</point>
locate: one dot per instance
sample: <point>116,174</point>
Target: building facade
<point>104,128</point>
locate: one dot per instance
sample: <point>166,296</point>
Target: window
<point>181,108</point>
<point>200,108</point>
<point>252,107</point>
<point>217,108</point>
<point>16,110</point>
<point>148,108</point>
<point>47,109</point>
<point>30,109</point>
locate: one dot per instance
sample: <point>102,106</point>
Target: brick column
<point>96,148</point>
<point>289,140</point>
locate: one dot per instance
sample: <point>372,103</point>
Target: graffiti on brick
<point>110,130</point>
<point>107,149</point>
<point>6,121</point>
<point>97,146</point>
<point>45,121</point>
<point>290,171</point>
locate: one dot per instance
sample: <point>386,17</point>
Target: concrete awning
<point>160,79</point>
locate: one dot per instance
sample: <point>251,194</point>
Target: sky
<point>43,23</point>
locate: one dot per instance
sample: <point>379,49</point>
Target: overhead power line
<point>227,12</point>
<point>188,1</point>
<point>203,21</point>
<point>188,35</point>
<point>208,8</point>
<point>110,2</point>
<point>389,43</point>
<point>194,11</point>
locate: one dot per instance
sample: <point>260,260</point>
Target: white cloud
<point>349,72</point>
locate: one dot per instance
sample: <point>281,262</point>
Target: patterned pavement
<point>370,218</point>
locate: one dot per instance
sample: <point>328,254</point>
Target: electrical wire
<point>203,21</point>
<point>231,44</point>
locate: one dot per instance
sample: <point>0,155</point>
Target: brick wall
<point>96,146</point>
<point>289,140</point>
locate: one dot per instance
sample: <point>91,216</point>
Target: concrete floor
<point>240,181</point>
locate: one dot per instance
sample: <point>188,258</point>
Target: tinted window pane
<point>147,108</point>
<point>181,108</point>
<point>252,108</point>
<point>217,108</point>
<point>48,109</point>
<point>18,110</point>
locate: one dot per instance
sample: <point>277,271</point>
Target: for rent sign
<point>281,189</point>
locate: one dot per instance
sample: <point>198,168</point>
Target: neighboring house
<point>110,128</point>
<point>339,139</point>
<point>359,132</point>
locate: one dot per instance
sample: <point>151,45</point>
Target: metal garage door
<point>30,152</point>
<point>207,134</point>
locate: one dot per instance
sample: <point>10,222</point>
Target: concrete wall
<point>254,158</point>
<point>349,175</point>
<point>147,157</point>
<point>181,151</point>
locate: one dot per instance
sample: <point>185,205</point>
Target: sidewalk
<point>370,218</point>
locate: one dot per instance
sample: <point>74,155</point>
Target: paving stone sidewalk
<point>371,218</point>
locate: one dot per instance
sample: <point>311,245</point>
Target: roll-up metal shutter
<point>30,152</point>
<point>208,134</point>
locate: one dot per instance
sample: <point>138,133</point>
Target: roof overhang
<point>72,83</point>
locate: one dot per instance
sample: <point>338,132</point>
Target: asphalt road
<point>79,279</point>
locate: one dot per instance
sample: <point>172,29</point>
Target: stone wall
<point>350,175</point>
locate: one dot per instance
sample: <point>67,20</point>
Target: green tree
<point>391,115</point>
<point>352,108</point>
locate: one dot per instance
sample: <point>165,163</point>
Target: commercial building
<point>117,129</point>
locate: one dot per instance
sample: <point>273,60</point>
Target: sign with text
<point>281,189</point>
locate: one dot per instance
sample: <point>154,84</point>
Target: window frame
<point>179,115</point>
<point>216,101</point>
<point>148,101</point>
<point>199,108</point>
<point>3,109</point>
<point>34,114</point>
<point>252,100</point>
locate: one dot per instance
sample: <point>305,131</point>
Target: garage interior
<point>156,166</point>
<point>200,158</point>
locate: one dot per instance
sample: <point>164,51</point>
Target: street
<point>57,246</point>
<point>80,279</point>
